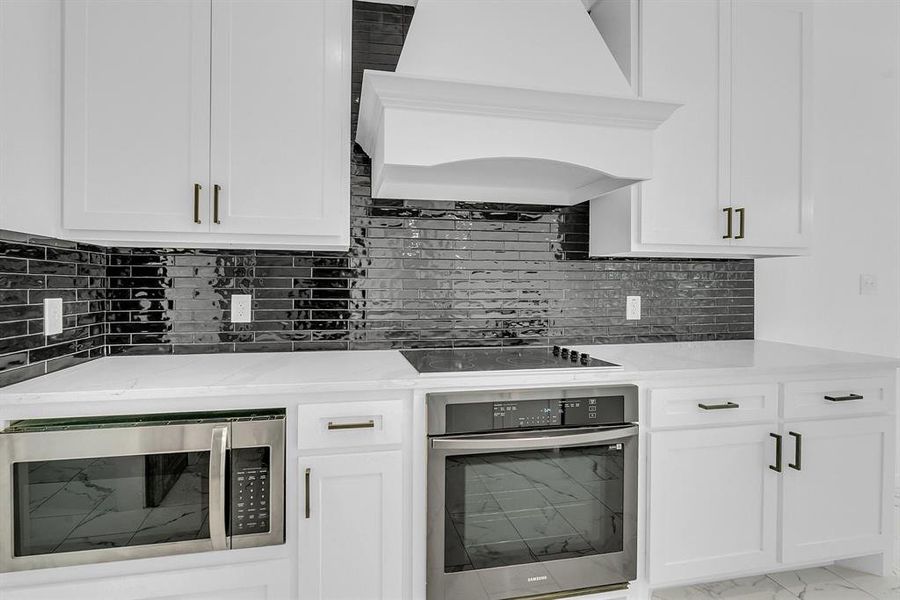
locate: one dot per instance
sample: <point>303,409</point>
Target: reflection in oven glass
<point>532,506</point>
<point>95,503</point>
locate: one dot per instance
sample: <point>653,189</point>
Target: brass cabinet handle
<point>719,406</point>
<point>728,215</point>
<point>844,398</point>
<point>197,188</point>
<point>777,466</point>
<point>798,447</point>
<point>307,493</point>
<point>216,189</point>
<point>370,424</point>
<point>742,213</point>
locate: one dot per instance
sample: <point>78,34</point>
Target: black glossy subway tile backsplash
<point>418,274</point>
<point>33,268</point>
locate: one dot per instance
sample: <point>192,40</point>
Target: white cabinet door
<point>740,142</point>
<point>351,542</point>
<point>770,121</point>
<point>269,580</point>
<point>713,502</point>
<point>281,117</point>
<point>136,116</point>
<point>837,504</point>
<point>682,203</point>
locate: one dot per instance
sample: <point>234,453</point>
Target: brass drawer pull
<point>777,466</point>
<point>307,492</point>
<point>742,213</point>
<point>197,188</point>
<point>370,424</point>
<point>844,398</point>
<point>728,217</point>
<point>798,447</point>
<point>216,189</point>
<point>719,406</point>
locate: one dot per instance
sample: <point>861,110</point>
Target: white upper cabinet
<point>280,136</point>
<point>731,166</point>
<point>770,114</point>
<point>136,117</point>
<point>208,123</point>
<point>683,197</point>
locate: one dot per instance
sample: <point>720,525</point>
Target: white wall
<point>815,300</point>
<point>31,116</point>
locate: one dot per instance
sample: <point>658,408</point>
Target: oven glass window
<point>94,503</point>
<point>532,506</point>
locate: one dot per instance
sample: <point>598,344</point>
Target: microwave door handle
<point>557,440</point>
<point>217,455</point>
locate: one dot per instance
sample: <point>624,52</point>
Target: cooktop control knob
<point>556,350</point>
<point>585,358</point>
<point>573,356</point>
<point>565,353</point>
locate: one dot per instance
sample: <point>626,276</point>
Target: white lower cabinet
<point>270,580</point>
<point>836,501</point>
<point>351,527</point>
<point>731,500</point>
<point>713,502</point>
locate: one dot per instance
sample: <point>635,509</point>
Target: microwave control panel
<point>530,414</point>
<point>249,490</point>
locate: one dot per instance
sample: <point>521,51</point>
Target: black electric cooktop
<point>467,360</point>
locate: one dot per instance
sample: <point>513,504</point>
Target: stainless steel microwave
<point>79,491</point>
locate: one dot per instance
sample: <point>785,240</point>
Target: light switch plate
<point>868,284</point>
<point>53,316</point>
<point>633,308</point>
<point>241,308</point>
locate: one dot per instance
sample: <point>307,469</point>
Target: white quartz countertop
<point>146,377</point>
<point>193,375</point>
<point>743,354</point>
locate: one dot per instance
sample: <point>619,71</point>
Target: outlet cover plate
<point>633,308</point>
<point>241,308</point>
<point>53,316</point>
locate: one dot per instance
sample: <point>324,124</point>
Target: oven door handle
<point>556,440</point>
<point>217,455</point>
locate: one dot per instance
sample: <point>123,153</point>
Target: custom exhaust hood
<point>513,101</point>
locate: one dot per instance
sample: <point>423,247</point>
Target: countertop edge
<point>431,382</point>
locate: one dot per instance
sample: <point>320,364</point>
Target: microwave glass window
<point>94,503</point>
<point>532,506</point>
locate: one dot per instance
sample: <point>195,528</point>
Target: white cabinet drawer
<point>838,397</point>
<point>351,424</point>
<point>713,405</point>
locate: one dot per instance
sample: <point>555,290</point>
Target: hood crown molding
<point>571,134</point>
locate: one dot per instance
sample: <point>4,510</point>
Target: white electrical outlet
<point>53,316</point>
<point>868,284</point>
<point>240,308</point>
<point>633,308</point>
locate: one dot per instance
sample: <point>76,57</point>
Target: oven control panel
<point>523,415</point>
<point>529,414</point>
<point>249,490</point>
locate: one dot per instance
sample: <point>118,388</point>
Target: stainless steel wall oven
<point>78,491</point>
<point>531,493</point>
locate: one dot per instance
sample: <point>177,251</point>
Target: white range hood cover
<point>514,101</point>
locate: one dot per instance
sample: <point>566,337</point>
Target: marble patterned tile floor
<point>823,583</point>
